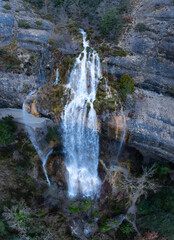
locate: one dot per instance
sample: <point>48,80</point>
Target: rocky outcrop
<point>31,121</point>
<point>149,125</point>
<point>24,38</point>
<point>151,58</point>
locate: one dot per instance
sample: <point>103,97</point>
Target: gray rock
<point>14,88</point>
<point>151,128</point>
<point>151,63</point>
<point>32,121</point>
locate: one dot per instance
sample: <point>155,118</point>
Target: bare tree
<point>133,187</point>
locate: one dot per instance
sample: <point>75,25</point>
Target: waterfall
<point>123,134</point>
<point>79,122</point>
<point>39,146</point>
<point>57,76</point>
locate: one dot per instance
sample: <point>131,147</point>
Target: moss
<point>23,25</point>
<point>120,53</point>
<point>38,23</point>
<point>65,68</point>
<point>53,98</point>
<point>7,6</point>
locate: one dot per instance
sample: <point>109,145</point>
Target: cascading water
<point>39,146</point>
<point>80,136</point>
<point>123,134</point>
<point>57,77</point>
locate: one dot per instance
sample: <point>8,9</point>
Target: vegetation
<point>7,130</point>
<point>52,135</point>
<point>36,3</point>
<point>141,27</point>
<point>111,23</point>
<point>23,25</point>
<point>38,23</point>
<point>9,61</point>
<point>7,6</point>
<point>126,86</point>
<point>157,213</point>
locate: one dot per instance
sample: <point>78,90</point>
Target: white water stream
<point>80,136</point>
<point>39,147</point>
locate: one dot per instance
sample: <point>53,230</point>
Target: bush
<point>140,27</point>
<point>7,129</point>
<point>126,86</point>
<point>23,24</point>
<point>127,228</point>
<point>39,23</point>
<point>7,6</point>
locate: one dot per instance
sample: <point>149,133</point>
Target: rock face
<point>151,59</point>
<point>150,120</point>
<point>33,122</point>
<point>151,126</point>
<point>21,26</point>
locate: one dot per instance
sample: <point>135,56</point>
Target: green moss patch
<point>22,24</point>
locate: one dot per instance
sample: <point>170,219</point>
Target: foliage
<point>7,130</point>
<point>23,24</point>
<point>141,27</point>
<point>36,3</point>
<point>26,222</point>
<point>52,135</point>
<point>127,228</point>
<point>7,6</point>
<point>126,86</point>
<point>9,62</point>
<point>157,213</point>
<point>111,22</point>
<point>57,3</point>
<point>39,23</point>
<point>3,231</point>
<point>83,206</point>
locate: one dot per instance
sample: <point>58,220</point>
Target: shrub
<point>39,23</point>
<point>127,228</point>
<point>140,27</point>
<point>23,24</point>
<point>126,86</point>
<point>7,129</point>
<point>7,6</point>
